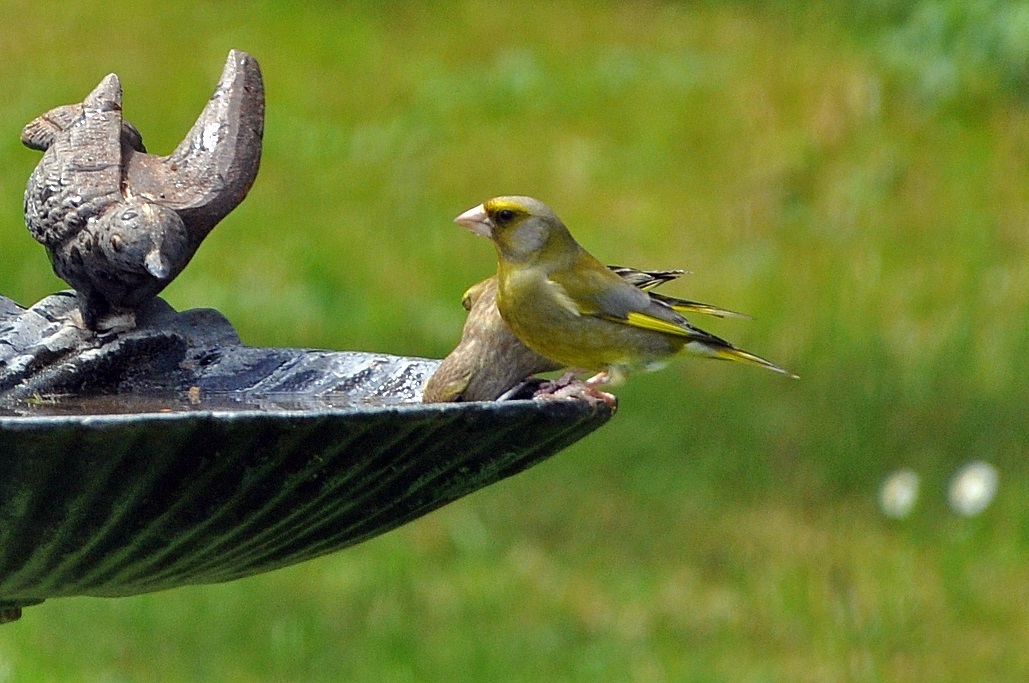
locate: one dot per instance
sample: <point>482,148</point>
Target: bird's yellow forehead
<point>498,204</point>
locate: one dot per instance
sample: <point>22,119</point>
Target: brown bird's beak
<point>477,221</point>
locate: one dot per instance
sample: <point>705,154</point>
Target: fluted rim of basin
<point>46,414</point>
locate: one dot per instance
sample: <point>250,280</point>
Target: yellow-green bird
<point>490,360</point>
<point>567,306</point>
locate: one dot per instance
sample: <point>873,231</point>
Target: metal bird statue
<point>119,224</point>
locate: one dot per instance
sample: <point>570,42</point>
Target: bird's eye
<point>505,215</point>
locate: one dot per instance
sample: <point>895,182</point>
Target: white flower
<point>899,493</point>
<point>972,488</point>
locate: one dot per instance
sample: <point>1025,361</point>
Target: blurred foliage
<point>958,51</point>
<point>853,174</point>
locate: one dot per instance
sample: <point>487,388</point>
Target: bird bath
<point>161,451</point>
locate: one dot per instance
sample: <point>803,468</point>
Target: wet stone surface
<point>189,359</point>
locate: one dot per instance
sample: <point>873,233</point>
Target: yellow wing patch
<point>648,322</point>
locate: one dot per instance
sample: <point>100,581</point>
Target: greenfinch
<point>567,306</point>
<point>490,362</point>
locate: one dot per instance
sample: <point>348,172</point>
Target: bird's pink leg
<point>568,387</point>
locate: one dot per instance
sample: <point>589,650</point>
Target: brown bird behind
<point>489,360</point>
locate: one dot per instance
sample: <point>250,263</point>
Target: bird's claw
<point>567,387</point>
<point>116,323</point>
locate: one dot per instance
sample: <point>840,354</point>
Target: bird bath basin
<point>158,450</point>
<point>195,459</point>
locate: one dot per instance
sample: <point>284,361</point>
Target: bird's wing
<point>591,292</point>
<point>645,279</point>
<point>598,291</point>
<point>619,300</point>
<point>697,340</point>
<point>687,306</point>
<point>593,289</point>
<point>214,166</point>
<point>661,317</point>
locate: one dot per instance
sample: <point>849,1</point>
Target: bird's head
<point>142,237</point>
<point>523,229</point>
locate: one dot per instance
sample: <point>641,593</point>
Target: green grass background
<point>854,175</point>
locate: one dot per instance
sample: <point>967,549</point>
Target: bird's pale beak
<point>477,221</point>
<point>156,264</point>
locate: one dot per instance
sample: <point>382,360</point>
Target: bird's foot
<point>102,328</point>
<point>116,323</point>
<point>531,386</point>
<point>559,383</point>
<point>567,387</point>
